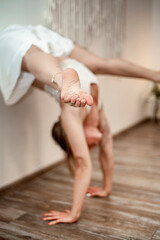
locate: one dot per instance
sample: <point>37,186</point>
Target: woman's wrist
<point>75,216</point>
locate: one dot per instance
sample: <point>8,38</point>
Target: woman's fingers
<point>67,211</point>
<point>56,217</point>
<point>54,222</point>
<point>96,192</point>
<point>49,218</point>
<point>88,194</point>
<point>54,214</point>
<point>93,189</point>
<point>47,214</point>
<point>92,194</point>
<point>51,211</point>
<point>89,190</point>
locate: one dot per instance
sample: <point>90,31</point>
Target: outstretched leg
<point>118,67</point>
<point>44,66</point>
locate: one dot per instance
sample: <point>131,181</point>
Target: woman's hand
<point>59,217</point>
<point>97,192</point>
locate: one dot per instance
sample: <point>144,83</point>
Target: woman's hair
<point>60,137</point>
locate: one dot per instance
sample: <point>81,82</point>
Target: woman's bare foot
<point>71,91</point>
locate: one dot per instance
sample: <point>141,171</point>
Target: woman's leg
<point>43,66</point>
<point>117,67</point>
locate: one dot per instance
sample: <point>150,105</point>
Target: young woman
<point>35,55</point>
<point>78,130</point>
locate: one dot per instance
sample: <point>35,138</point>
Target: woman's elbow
<point>83,164</point>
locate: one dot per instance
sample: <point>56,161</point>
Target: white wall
<point>156,34</point>
<point>155,48</point>
<point>22,12</point>
<point>25,143</point>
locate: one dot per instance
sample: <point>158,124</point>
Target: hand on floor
<point>59,217</point>
<point>97,192</point>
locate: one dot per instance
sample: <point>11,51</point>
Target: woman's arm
<point>106,159</point>
<point>72,125</point>
<point>118,67</point>
<point>106,153</point>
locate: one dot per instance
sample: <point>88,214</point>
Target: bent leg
<point>43,66</point>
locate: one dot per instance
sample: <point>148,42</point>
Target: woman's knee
<point>86,57</point>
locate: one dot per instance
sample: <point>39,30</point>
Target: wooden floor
<point>131,212</point>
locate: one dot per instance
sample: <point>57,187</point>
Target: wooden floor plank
<point>8,214</point>
<point>156,235</point>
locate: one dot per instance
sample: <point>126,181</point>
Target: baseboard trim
<point>131,127</point>
<point>15,185</point>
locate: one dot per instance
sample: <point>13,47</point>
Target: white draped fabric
<point>84,20</point>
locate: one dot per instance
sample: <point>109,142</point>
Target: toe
<point>67,99</point>
<point>83,102</point>
<point>89,100</point>
<point>78,103</point>
<point>73,99</point>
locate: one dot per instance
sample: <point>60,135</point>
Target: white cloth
<point>15,41</point>
<point>86,79</point>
